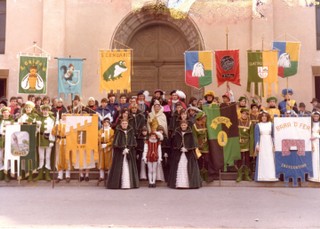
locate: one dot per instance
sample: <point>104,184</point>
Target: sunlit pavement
<point>84,205</point>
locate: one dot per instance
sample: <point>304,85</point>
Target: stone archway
<point>158,42</point>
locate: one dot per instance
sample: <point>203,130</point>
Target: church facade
<point>80,28</point>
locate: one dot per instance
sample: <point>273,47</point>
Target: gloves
<point>125,151</point>
<point>103,146</point>
<point>183,150</point>
<point>159,161</point>
<point>165,155</point>
<point>103,135</point>
<point>51,144</point>
<point>144,160</point>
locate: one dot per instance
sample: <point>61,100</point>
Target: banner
<point>70,76</point>
<point>227,64</point>
<point>223,134</point>
<point>262,72</point>
<point>288,57</point>
<point>82,139</point>
<point>198,68</point>
<point>115,70</point>
<point>293,149</point>
<point>20,147</point>
<point>33,75</point>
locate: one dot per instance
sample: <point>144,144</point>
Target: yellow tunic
<point>62,157</point>
<point>105,155</point>
<point>273,112</point>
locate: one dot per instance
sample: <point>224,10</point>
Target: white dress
<point>265,168</point>
<point>315,152</point>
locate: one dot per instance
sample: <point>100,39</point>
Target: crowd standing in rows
<point>156,140</point>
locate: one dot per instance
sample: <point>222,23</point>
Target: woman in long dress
<point>315,135</point>
<point>265,163</point>
<point>184,171</point>
<point>123,172</point>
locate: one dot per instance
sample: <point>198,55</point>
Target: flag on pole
<point>227,64</point>
<point>33,75</point>
<point>115,70</point>
<point>70,75</point>
<point>198,68</point>
<point>288,57</point>
<point>262,72</point>
<point>223,134</point>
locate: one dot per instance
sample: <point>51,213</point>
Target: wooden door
<point>158,59</point>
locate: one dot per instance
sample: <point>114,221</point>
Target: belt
<point>60,137</point>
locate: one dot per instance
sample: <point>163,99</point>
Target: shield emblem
<point>263,72</point>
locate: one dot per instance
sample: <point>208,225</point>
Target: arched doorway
<point>158,42</point>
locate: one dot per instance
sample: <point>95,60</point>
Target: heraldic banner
<point>293,148</point>
<point>262,72</point>
<point>33,75</point>
<point>227,64</point>
<point>115,70</point>
<point>198,68</point>
<point>70,76</point>
<point>223,134</point>
<point>20,147</point>
<point>288,57</point>
<point>82,140</point>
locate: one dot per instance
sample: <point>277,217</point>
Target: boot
<point>7,177</point>
<point>1,175</point>
<point>247,174</point>
<point>40,175</point>
<point>47,176</point>
<point>30,176</point>
<point>240,174</point>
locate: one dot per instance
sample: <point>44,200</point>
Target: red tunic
<point>152,154</point>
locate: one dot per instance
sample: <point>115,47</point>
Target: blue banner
<point>70,76</point>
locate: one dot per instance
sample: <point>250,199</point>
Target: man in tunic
<point>45,124</point>
<point>288,104</point>
<point>272,109</point>
<point>244,133</point>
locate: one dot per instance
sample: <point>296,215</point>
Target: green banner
<point>254,61</point>
<point>33,75</point>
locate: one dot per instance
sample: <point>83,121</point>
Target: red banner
<point>227,62</point>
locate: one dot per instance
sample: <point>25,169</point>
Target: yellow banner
<point>270,61</point>
<point>82,139</point>
<point>115,70</point>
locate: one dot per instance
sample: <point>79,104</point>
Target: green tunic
<point>244,134</point>
<point>201,136</point>
<point>2,134</point>
<point>47,123</point>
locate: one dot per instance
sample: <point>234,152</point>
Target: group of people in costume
<point>156,139</point>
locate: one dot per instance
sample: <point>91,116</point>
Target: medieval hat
<point>5,109</point>
<point>316,113</point>
<point>314,100</point>
<point>181,94</point>
<point>209,93</point>
<point>45,107</point>
<point>244,110</point>
<point>200,115</point>
<point>29,104</point>
<point>158,90</point>
<point>272,98</point>
<point>287,91</point>
<point>160,128</point>
<point>242,98</point>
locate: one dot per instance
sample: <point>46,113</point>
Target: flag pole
<point>227,47</point>
<point>287,78</point>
